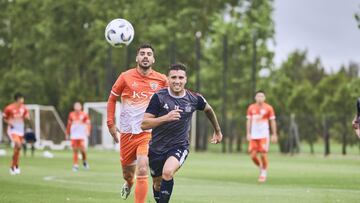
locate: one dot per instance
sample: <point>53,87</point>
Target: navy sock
<point>156,195</point>
<point>166,190</point>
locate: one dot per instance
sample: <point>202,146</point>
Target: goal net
<point>47,125</point>
<point>100,136</point>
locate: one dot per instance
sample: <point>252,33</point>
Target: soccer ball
<point>119,32</point>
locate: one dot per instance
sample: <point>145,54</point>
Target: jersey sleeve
<point>118,86</point>
<point>271,113</point>
<point>249,114</point>
<point>6,113</point>
<point>201,102</point>
<point>154,105</point>
<point>26,113</point>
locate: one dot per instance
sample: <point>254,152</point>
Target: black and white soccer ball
<point>119,32</point>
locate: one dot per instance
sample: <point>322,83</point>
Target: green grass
<point>205,177</point>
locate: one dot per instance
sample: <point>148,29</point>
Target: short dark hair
<point>177,66</point>
<point>18,95</point>
<point>144,46</point>
<point>260,91</point>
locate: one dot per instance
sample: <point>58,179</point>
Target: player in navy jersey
<point>169,115</point>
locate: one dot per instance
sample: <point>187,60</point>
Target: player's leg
<point>156,187</point>
<point>156,164</point>
<point>17,140</point>
<point>128,173</point>
<point>75,146</point>
<point>264,146</point>
<point>24,146</point>
<point>32,148</point>
<point>83,154</point>
<point>173,163</point>
<point>142,167</point>
<point>128,163</point>
<point>253,152</point>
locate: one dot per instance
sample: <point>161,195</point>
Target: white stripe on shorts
<point>182,159</point>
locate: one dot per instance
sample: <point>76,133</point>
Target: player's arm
<point>116,91</point>
<point>248,124</point>
<point>210,114</point>
<point>6,117</point>
<point>88,125</point>
<point>151,120</point>
<point>248,129</point>
<point>273,127</point>
<point>68,127</point>
<point>355,122</point>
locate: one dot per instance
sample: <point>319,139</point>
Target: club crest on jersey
<point>153,85</point>
<point>166,107</point>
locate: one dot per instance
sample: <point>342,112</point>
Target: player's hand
<point>355,124</point>
<point>217,137</point>
<point>274,138</point>
<point>66,137</point>
<point>114,133</point>
<point>174,115</point>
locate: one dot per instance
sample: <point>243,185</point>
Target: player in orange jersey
<point>78,129</point>
<point>259,115</point>
<point>135,87</point>
<point>14,115</point>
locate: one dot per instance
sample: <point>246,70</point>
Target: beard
<point>145,66</point>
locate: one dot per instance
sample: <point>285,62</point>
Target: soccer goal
<point>47,125</point>
<point>100,136</point>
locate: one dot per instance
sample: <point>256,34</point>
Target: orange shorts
<point>77,143</point>
<point>17,138</point>
<point>259,145</point>
<point>133,145</point>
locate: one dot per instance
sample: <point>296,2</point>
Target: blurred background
<point>304,54</point>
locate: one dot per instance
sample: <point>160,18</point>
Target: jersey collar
<point>177,97</point>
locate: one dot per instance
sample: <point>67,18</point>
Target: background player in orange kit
<point>135,87</point>
<point>259,115</point>
<point>78,129</point>
<point>14,115</point>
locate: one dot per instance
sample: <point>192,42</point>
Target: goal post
<point>100,136</point>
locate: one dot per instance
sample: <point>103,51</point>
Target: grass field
<point>205,177</point>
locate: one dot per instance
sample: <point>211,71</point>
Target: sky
<point>325,28</point>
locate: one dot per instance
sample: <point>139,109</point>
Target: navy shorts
<point>157,161</point>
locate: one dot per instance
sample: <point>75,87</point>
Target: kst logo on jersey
<point>142,95</point>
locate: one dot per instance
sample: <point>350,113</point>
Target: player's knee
<point>253,154</point>
<point>142,170</point>
<point>128,175</point>
<point>167,174</point>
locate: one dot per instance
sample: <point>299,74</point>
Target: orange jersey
<point>135,91</point>
<point>15,115</point>
<point>78,125</point>
<point>260,116</point>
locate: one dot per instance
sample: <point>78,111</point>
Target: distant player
<point>356,121</point>
<point>169,115</point>
<point>135,87</point>
<point>259,115</point>
<point>355,124</point>
<point>78,129</point>
<point>14,116</point>
<point>30,138</point>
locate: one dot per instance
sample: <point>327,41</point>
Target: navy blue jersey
<point>175,133</point>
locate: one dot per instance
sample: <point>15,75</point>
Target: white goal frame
<point>107,141</point>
